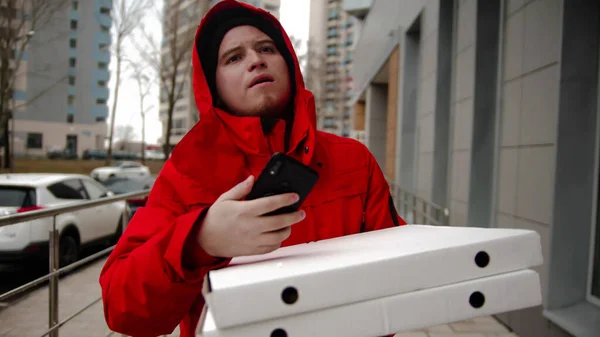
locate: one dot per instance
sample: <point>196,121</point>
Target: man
<point>252,103</point>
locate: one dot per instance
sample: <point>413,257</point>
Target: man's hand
<point>235,228</point>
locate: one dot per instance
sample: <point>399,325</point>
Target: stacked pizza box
<point>374,284</point>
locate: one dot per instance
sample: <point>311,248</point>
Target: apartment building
<point>331,40</point>
<point>61,87</point>
<point>489,109</point>
<point>185,113</point>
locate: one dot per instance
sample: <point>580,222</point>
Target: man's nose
<point>256,61</point>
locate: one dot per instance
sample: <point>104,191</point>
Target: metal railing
<point>53,254</point>
<point>416,210</point>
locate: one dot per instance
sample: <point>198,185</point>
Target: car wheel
<point>68,250</point>
<point>111,176</point>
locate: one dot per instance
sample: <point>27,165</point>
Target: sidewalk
<point>29,316</point>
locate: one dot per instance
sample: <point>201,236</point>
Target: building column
<point>376,120</point>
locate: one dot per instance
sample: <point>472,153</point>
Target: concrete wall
<point>462,112</point>
<point>426,99</point>
<point>375,121</point>
<point>54,134</point>
<point>521,93</point>
<point>392,113</point>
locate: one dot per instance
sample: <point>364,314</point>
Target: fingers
<point>265,205</point>
<point>274,223</point>
<point>239,191</point>
<point>275,238</point>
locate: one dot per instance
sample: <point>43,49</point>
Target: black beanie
<point>209,41</point>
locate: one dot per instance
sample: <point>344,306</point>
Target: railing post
<point>53,289</point>
<point>125,217</point>
<point>414,209</point>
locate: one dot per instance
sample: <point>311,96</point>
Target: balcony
<point>102,93</point>
<point>101,37</point>
<point>100,111</point>
<point>101,75</point>
<point>102,56</point>
<point>104,20</point>
<point>357,8</point>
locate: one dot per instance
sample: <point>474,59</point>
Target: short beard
<point>268,107</point>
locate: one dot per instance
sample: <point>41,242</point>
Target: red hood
<point>206,138</point>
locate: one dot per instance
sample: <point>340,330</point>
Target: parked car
<point>120,169</point>
<point>58,153</point>
<point>28,240</point>
<point>122,185</point>
<point>93,154</point>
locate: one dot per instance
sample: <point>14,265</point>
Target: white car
<point>28,241</point>
<point>120,169</point>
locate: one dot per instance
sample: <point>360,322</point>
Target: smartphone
<point>284,174</point>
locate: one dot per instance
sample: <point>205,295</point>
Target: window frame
<point>41,146</point>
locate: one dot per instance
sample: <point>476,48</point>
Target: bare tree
<point>144,86</point>
<point>180,20</point>
<point>126,15</point>
<point>18,22</point>
<point>125,134</point>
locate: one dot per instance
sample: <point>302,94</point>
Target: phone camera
<point>275,169</point>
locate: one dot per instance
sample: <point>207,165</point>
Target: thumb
<point>239,191</point>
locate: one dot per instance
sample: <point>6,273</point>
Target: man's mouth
<point>261,79</point>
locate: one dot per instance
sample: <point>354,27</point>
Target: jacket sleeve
<point>379,211</point>
<point>147,288</point>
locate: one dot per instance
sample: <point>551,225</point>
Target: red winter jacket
<point>146,288</point>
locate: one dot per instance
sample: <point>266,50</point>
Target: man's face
<point>252,76</point>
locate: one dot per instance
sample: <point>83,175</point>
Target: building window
<point>105,29</point>
<point>103,47</point>
<point>73,43</point>
<point>332,32</point>
<point>73,24</point>
<point>331,51</point>
<point>102,84</point>
<point>100,101</point>
<point>70,118</point>
<point>34,140</point>
<point>72,62</point>
<point>102,65</point>
<point>71,100</point>
<point>104,10</point>
<point>329,122</point>
<point>71,80</point>
<point>100,119</point>
<point>333,14</point>
<point>75,5</point>
<point>179,123</point>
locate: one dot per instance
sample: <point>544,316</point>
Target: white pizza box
<point>344,270</point>
<point>388,315</point>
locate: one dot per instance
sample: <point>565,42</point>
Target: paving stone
<point>411,334</point>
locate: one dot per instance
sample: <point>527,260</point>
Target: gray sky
<point>294,18</point>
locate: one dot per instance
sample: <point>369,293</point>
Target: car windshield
<point>127,185</point>
<point>15,196</point>
<point>117,164</point>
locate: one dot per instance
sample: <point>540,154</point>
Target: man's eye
<point>232,59</point>
<point>267,49</point>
